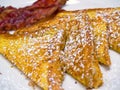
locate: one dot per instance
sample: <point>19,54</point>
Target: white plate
<point>12,79</point>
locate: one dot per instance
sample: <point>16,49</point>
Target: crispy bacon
<point>12,18</point>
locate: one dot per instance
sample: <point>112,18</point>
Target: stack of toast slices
<point>72,42</point>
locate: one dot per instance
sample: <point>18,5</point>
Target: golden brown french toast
<point>63,21</point>
<point>112,17</point>
<point>114,38</point>
<point>114,31</point>
<point>79,53</point>
<point>36,55</point>
<point>106,14</point>
<point>35,50</point>
<point>101,45</point>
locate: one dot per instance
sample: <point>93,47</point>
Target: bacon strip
<point>12,18</point>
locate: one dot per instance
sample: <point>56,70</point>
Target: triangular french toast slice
<point>79,53</point>
<point>36,55</point>
<point>100,33</point>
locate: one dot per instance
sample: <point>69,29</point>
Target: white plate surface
<point>12,79</point>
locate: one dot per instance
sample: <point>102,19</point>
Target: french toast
<point>102,17</point>
<point>114,31</point>
<point>36,55</point>
<point>79,53</point>
<point>100,34</point>
<point>114,38</point>
<point>63,21</point>
<point>112,17</point>
<point>101,45</point>
<point>36,50</point>
<point>106,14</point>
